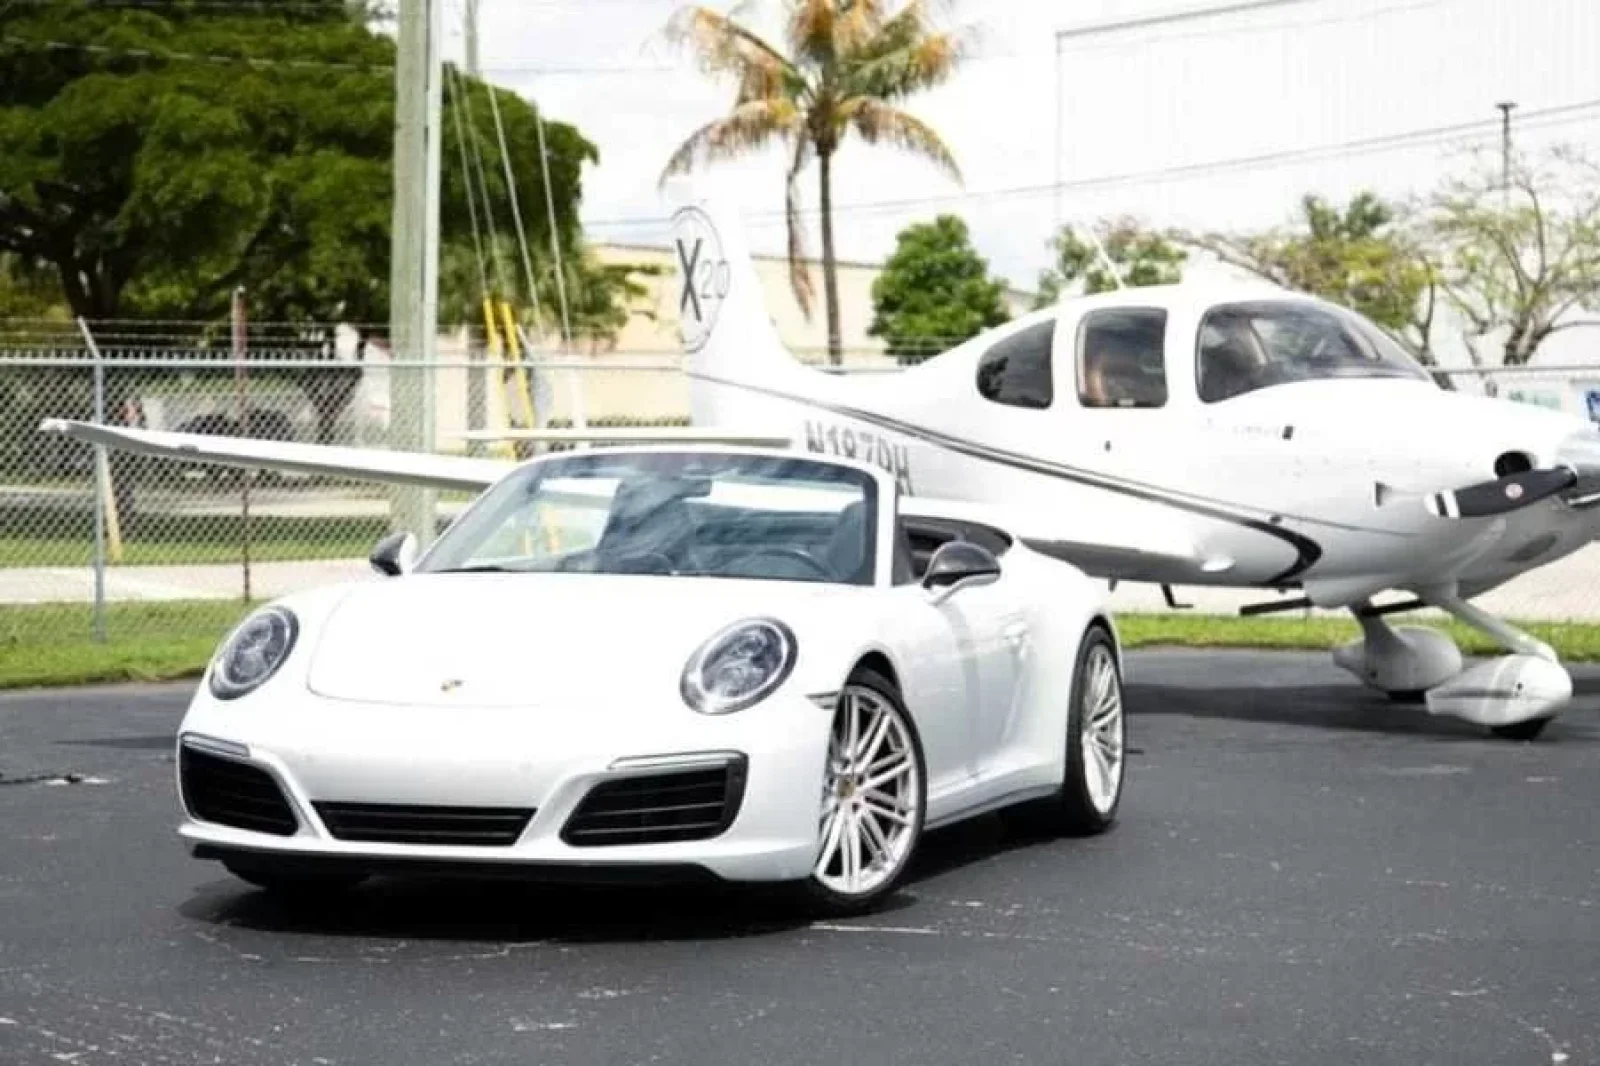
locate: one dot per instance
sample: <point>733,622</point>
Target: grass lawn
<point>1573,641</point>
<point>52,644</point>
<point>46,539</point>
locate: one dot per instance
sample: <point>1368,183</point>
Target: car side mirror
<point>395,554</point>
<point>957,565</point>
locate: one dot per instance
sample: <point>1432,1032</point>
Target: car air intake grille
<point>231,793</point>
<point>387,823</point>
<point>658,808</point>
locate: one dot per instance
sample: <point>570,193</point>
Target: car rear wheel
<point>1091,786</point>
<point>874,797</point>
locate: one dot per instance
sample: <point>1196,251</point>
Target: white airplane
<point>1239,435</point>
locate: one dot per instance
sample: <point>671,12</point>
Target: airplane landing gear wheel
<point>1520,730</point>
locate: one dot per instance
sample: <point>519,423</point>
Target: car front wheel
<point>874,795</point>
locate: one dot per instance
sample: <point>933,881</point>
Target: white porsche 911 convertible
<point>655,662</point>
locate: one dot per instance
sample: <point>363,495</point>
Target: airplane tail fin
<point>725,327</point>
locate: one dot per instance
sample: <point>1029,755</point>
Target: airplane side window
<point>1122,358</point>
<point>1016,371</point>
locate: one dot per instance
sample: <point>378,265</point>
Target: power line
<point>568,70</point>
<point>267,7</point>
<point>144,53</point>
<point>314,64</point>
<point>1140,22</point>
<point>1551,116</point>
<point>1388,10</point>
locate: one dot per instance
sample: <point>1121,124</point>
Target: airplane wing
<point>366,464</point>
<point>634,435</point>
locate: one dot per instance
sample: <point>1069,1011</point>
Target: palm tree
<point>849,63</point>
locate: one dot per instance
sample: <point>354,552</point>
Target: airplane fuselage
<point>1276,487</point>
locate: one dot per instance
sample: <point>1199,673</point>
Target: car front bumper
<point>312,783</point>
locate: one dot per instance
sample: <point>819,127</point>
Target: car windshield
<point>1249,346</point>
<point>689,513</point>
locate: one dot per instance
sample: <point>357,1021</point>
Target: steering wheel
<point>788,553</point>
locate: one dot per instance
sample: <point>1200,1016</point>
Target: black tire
<point>296,884</point>
<point>1528,730</point>
<point>1070,811</point>
<point>822,900</point>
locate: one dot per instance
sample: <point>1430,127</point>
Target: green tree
<point>28,290</point>
<point>1361,255</point>
<point>156,157</point>
<point>934,292</point>
<point>1518,260</point>
<point>849,65</point>
<point>1140,257</point>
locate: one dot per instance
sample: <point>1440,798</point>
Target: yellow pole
<point>519,372</point>
<point>113,519</point>
<point>505,449</point>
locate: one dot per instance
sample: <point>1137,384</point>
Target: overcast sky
<point>1301,75</point>
<point>1330,92</point>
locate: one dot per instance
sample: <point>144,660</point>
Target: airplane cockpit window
<point>1122,358</point>
<point>1016,371</point>
<point>1249,346</point>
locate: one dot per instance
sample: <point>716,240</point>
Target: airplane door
<point>1119,364</point>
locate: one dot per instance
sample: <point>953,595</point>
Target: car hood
<point>535,640</point>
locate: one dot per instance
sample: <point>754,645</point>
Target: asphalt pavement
<point>1302,874</point>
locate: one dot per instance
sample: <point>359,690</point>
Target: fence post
<point>101,487</point>
<point>244,420</point>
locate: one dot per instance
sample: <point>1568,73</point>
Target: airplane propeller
<point>1487,499</point>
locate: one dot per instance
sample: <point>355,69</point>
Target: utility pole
<point>477,385</point>
<point>470,17</point>
<point>414,255</point>
<point>1505,150</point>
<point>245,422</point>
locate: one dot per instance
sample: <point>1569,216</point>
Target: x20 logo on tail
<point>704,276</point>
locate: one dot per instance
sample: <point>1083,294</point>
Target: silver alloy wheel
<point>1102,729</point>
<point>870,795</point>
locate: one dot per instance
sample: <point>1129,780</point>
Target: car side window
<point>917,537</point>
<point>1122,358</point>
<point>1016,371</point>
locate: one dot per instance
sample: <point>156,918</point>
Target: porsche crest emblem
<point>450,684</point>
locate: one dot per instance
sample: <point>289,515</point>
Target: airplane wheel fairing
<point>874,799</point>
<point>1096,740</point>
<point>1399,660</point>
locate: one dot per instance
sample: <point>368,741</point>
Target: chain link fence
<point>150,547</point>
<point>108,546</point>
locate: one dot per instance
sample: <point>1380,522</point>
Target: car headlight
<point>739,666</point>
<point>253,652</point>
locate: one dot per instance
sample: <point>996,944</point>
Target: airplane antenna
<point>1105,260</point>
